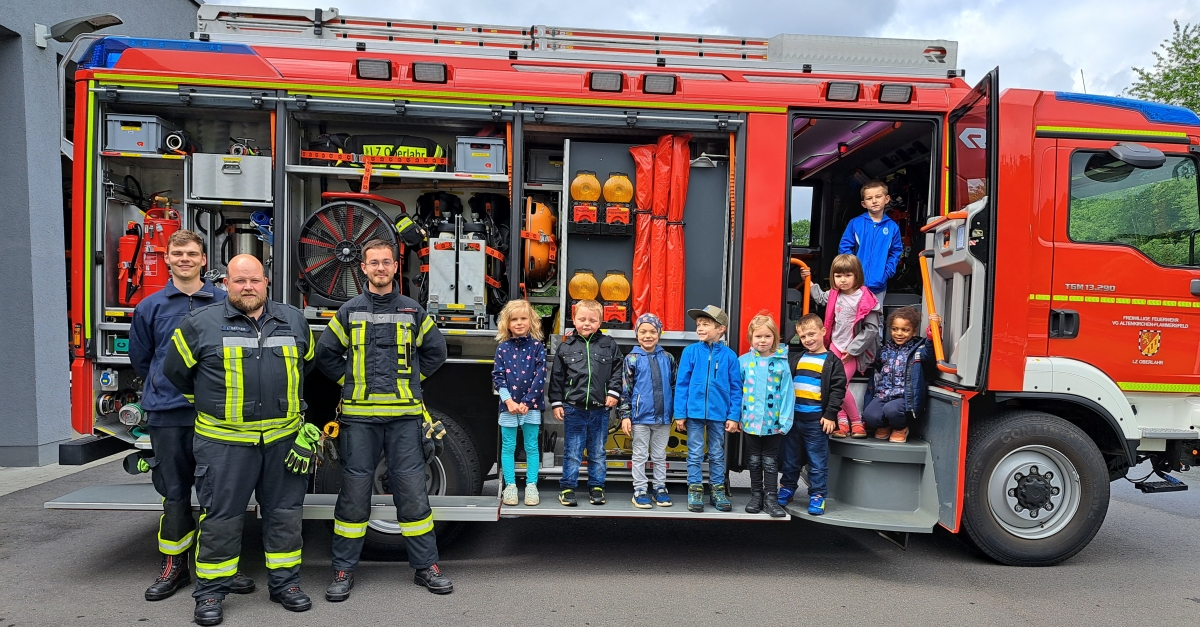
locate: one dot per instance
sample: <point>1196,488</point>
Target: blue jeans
<point>696,429</point>
<point>584,428</point>
<point>806,436</point>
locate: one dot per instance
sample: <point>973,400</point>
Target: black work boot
<point>339,590</point>
<point>173,576</point>
<point>771,501</point>
<point>241,584</point>
<point>756,485</point>
<point>208,612</point>
<point>293,599</point>
<point>433,579</point>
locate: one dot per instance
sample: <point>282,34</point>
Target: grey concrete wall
<point>34,357</point>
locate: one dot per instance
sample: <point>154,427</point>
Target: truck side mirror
<point>1138,156</point>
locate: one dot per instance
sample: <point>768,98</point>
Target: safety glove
<point>431,440</point>
<point>300,458</point>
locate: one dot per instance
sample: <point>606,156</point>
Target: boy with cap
<point>645,410</point>
<point>708,401</point>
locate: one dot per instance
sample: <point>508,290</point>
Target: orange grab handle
<point>953,215</point>
<point>935,328</point>
<point>807,282</point>
<point>363,196</point>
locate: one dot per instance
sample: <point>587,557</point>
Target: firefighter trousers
<point>226,475</point>
<point>361,444</point>
<point>172,470</point>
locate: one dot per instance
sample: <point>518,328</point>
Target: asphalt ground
<point>91,568</point>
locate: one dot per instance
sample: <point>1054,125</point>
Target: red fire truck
<point>1054,234</point>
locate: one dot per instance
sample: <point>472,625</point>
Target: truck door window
<point>1156,211</point>
<point>802,206</point>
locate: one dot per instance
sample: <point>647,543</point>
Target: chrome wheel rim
<point>1034,492</point>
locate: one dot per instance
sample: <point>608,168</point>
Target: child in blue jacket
<point>645,410</point>
<point>708,402</point>
<point>519,377</point>
<point>875,239</point>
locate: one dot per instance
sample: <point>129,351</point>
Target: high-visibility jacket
<point>379,348</point>
<point>245,377</point>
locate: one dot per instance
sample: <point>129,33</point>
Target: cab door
<point>1125,296</point>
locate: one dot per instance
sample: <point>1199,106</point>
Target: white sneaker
<point>531,495</point>
<point>510,494</point>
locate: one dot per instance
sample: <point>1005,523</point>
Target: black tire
<point>1007,449</point>
<point>459,472</point>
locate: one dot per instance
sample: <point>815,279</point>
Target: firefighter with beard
<point>379,347</point>
<point>242,364</point>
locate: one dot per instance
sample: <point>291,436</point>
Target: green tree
<point>1175,77</point>
<point>800,232</point>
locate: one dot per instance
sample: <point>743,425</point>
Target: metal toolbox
<point>135,133</point>
<point>480,155</point>
<point>544,166</point>
<point>231,177</point>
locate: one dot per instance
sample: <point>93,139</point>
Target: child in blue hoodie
<point>768,399</point>
<point>645,410</point>
<point>708,402</point>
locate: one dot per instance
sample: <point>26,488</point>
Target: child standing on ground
<point>708,400</point>
<point>768,399</point>
<point>519,377</point>
<point>852,317</point>
<point>819,383</point>
<point>647,379</point>
<point>874,238</point>
<point>896,394</point>
<point>584,384</point>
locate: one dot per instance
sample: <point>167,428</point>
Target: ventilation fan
<point>330,249</point>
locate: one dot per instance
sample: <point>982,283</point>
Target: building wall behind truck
<point>34,358</point>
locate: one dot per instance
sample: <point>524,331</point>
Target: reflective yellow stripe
<point>403,339</point>
<point>1115,300</point>
<point>184,350</point>
<point>349,529</point>
<point>341,380</point>
<point>283,560</point>
<point>174,547</point>
<point>291,362</point>
<point>425,327</point>
<point>384,410</point>
<point>312,347</point>
<point>1109,131</point>
<point>89,186</point>
<point>1131,386</point>
<point>191,398</point>
<point>419,528</point>
<point>252,432</point>
<point>215,571</point>
<point>358,359</point>
<point>340,333</point>
<point>232,358</point>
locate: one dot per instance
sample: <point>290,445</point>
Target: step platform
<point>141,497</point>
<point>619,504</point>
<point>878,485</point>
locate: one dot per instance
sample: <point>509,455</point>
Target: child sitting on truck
<point>874,238</point>
<point>819,384</point>
<point>584,384</point>
<point>851,331</point>
<point>768,398</point>
<point>896,394</point>
<point>708,400</point>
<point>519,377</point>
<point>647,378</point>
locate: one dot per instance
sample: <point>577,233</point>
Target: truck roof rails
<point>935,58</point>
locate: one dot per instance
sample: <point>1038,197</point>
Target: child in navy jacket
<point>647,380</point>
<point>519,376</point>
<point>708,402</point>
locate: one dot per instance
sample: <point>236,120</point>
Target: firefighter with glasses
<point>242,363</point>
<point>379,347</point>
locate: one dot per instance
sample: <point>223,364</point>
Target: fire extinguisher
<point>143,252</point>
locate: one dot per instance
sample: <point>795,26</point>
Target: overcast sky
<point>1040,44</point>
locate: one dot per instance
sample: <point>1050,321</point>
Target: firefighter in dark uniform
<point>171,418</point>
<point>242,362</point>
<point>379,347</point>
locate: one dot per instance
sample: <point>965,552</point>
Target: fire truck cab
<point>1053,233</point>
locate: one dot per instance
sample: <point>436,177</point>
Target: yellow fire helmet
<point>540,245</point>
<point>585,187</point>
<point>583,285</point>
<point>615,286</point>
<point>618,188</point>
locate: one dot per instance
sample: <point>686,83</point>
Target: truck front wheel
<point>455,472</point>
<point>1036,489</point>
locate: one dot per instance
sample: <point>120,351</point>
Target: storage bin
<point>135,133</point>
<point>544,166</point>
<point>480,155</point>
<point>231,177</point>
